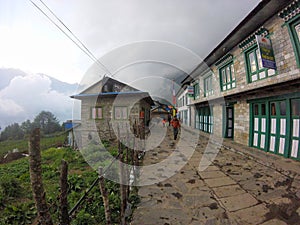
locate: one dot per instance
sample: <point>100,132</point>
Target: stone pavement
<point>235,187</point>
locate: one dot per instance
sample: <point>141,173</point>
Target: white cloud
<point>9,108</point>
<point>26,96</point>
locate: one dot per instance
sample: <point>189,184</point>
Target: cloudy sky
<point>30,42</point>
<point>133,40</point>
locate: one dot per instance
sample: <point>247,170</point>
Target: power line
<point>81,45</point>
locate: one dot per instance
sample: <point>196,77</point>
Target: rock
<point>213,206</point>
<point>192,181</point>
<point>177,195</point>
<point>265,188</point>
<point>15,150</point>
<point>257,175</point>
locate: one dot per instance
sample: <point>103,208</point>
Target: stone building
<point>248,88</point>
<point>110,107</point>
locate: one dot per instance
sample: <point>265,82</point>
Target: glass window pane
<point>118,113</point>
<point>273,109</point>
<point>124,112</point>
<point>296,107</point>
<point>263,109</point>
<point>297,28</point>
<point>252,62</point>
<point>283,108</point>
<point>99,113</point>
<point>232,73</point>
<point>94,113</point>
<point>223,76</point>
<point>255,109</point>
<point>258,59</point>
<point>228,74</point>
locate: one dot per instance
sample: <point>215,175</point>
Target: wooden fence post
<point>104,196</point>
<point>35,171</point>
<point>65,219</point>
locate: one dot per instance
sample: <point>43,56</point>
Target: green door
<point>295,134</point>
<point>278,127</point>
<point>260,126</point>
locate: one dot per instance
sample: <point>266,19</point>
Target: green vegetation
<point>54,140</point>
<point>16,201</point>
<point>45,120</point>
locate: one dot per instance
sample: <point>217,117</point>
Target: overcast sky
<point>29,42</point>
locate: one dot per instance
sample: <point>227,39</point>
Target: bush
<point>10,187</point>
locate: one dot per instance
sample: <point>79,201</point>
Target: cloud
<point>26,96</point>
<point>197,25</point>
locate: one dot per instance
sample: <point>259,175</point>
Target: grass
<point>16,200</point>
<point>22,145</point>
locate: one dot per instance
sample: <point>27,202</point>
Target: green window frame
<point>208,86</point>
<point>294,31</point>
<point>196,91</point>
<point>96,113</point>
<point>204,120</point>
<point>255,70</point>
<point>275,125</point>
<point>227,77</point>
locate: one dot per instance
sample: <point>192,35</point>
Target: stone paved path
<point>233,189</point>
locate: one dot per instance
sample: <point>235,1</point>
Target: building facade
<point>110,109</point>
<point>183,108</point>
<point>248,90</point>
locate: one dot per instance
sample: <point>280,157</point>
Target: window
<point>204,119</point>
<point>196,91</point>
<point>296,107</point>
<point>273,109</point>
<point>255,71</point>
<point>96,113</point>
<point>294,29</point>
<point>255,109</point>
<point>227,77</point>
<point>120,112</point>
<point>208,87</point>
<point>263,109</point>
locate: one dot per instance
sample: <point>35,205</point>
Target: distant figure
<point>176,125</point>
<point>164,122</point>
<point>169,119</point>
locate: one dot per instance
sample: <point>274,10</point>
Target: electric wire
<point>81,46</point>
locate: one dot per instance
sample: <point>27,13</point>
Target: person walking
<point>164,122</point>
<point>169,119</point>
<point>176,125</point>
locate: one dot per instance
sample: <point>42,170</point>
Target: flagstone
<point>221,181</point>
<point>237,202</point>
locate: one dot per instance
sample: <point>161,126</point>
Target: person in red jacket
<point>176,125</point>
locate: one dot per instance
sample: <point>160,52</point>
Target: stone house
<point>249,93</point>
<point>110,107</point>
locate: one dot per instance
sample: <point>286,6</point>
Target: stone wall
<point>241,122</point>
<point>107,127</point>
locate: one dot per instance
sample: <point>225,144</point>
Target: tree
<point>47,122</point>
<point>26,127</point>
<point>13,132</point>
